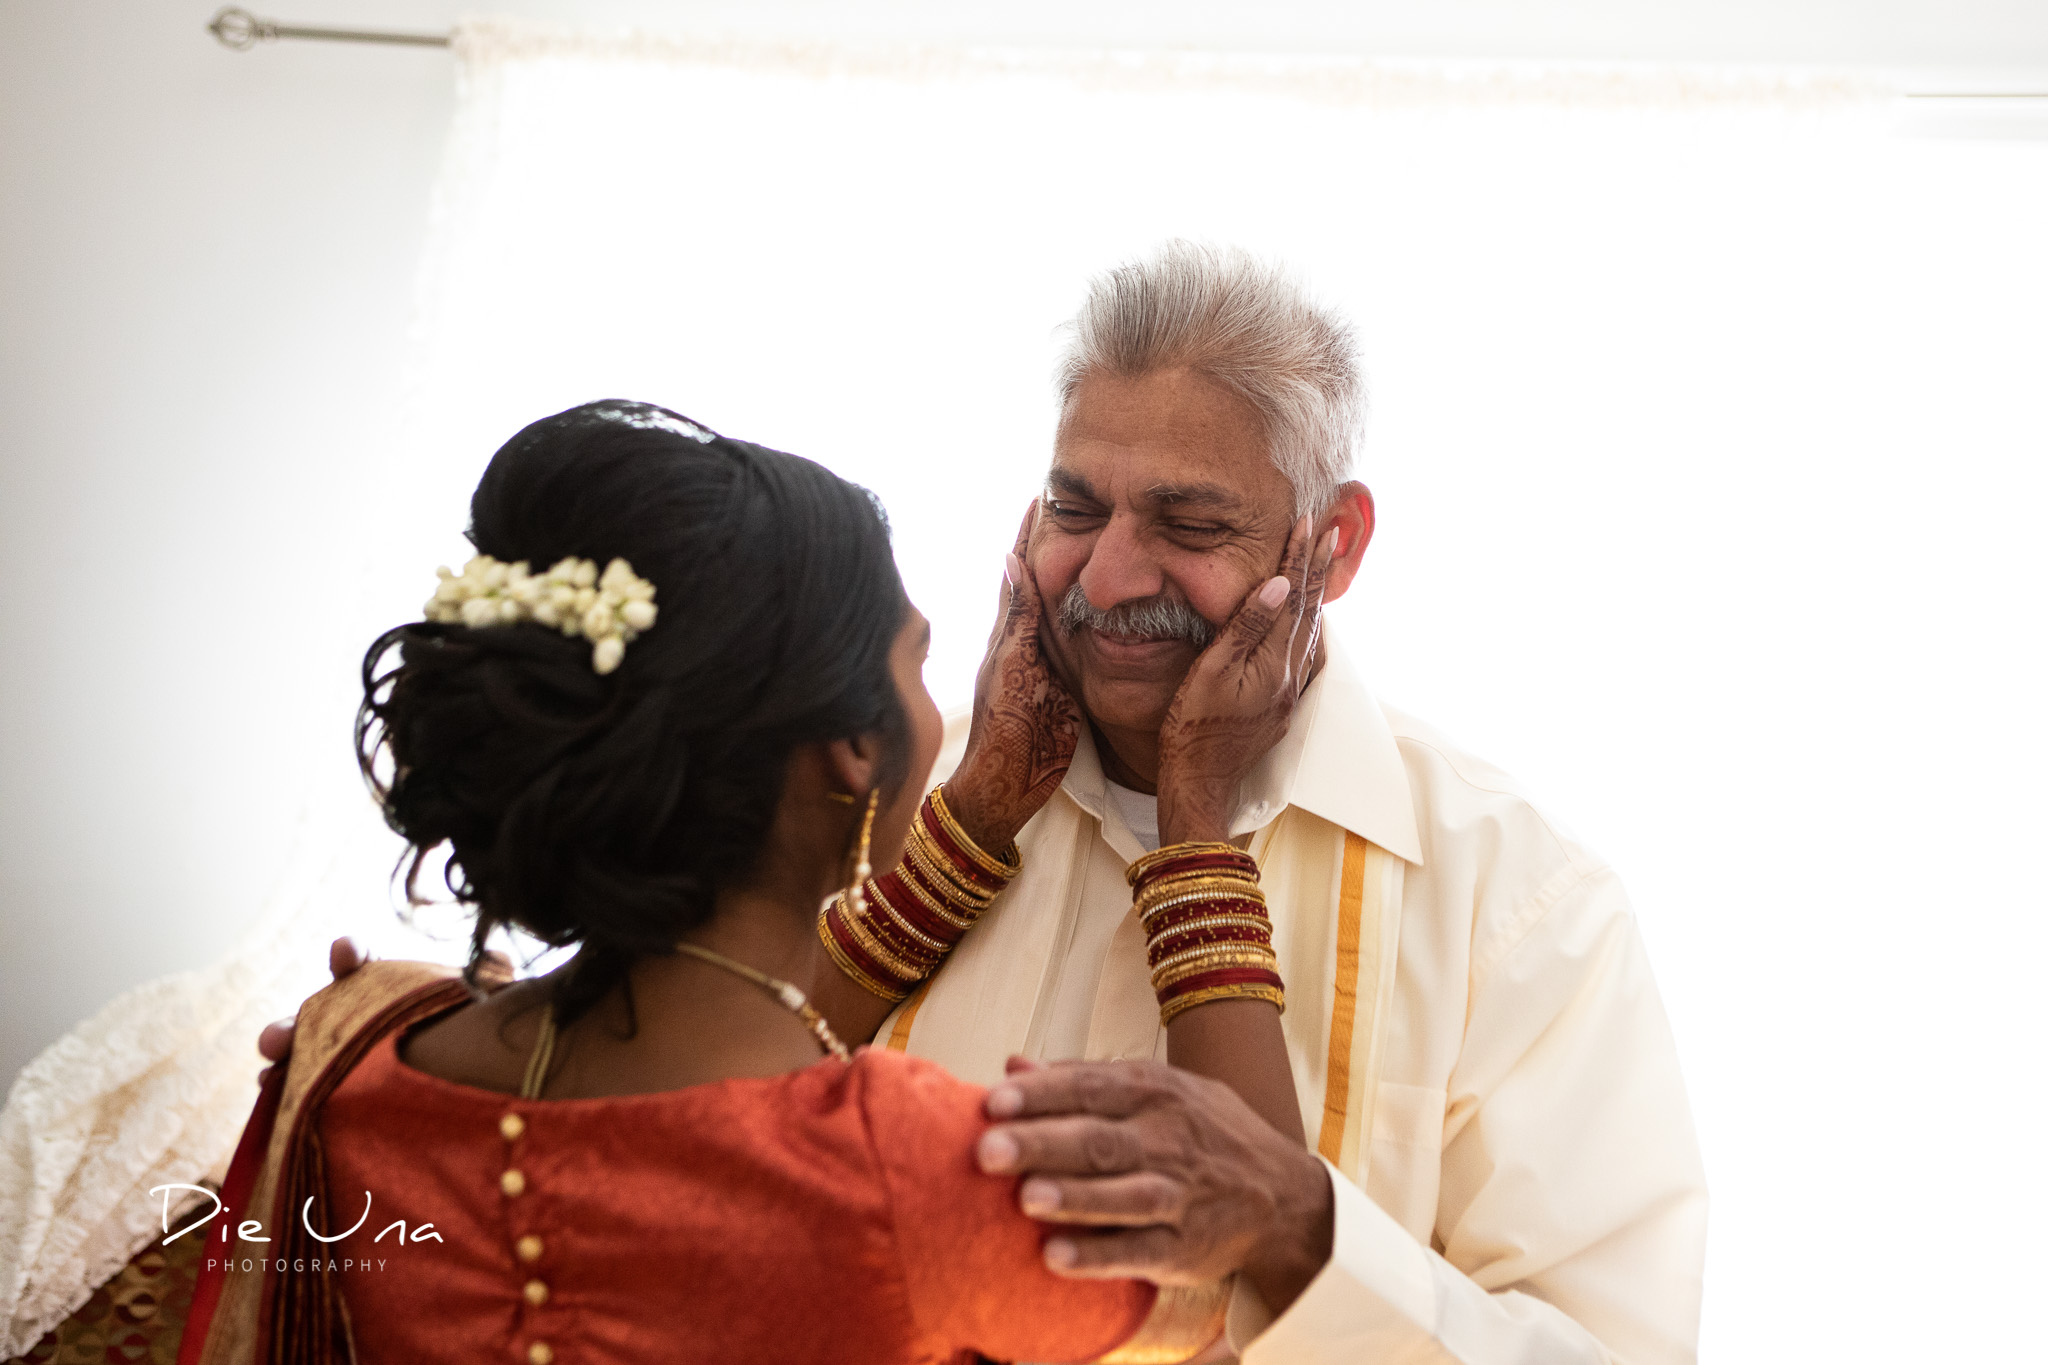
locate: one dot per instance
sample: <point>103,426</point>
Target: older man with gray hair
<point>1466,1137</point>
<point>1499,1161</point>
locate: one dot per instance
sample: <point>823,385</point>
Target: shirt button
<point>511,1126</point>
<point>513,1183</point>
<point>540,1353</point>
<point>536,1292</point>
<point>529,1247</point>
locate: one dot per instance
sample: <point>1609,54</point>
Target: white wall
<point>206,266</point>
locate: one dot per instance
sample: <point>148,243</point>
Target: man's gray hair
<point>1246,324</point>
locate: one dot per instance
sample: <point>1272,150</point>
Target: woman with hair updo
<point>671,709</point>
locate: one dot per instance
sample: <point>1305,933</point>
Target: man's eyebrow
<point>1209,496</point>
<point>1068,482</point>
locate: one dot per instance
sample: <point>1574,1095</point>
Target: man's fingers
<point>275,1042</point>
<point>1135,1200</point>
<point>344,955</point>
<point>1113,1089</point>
<point>1135,1254</point>
<point>1076,1145</point>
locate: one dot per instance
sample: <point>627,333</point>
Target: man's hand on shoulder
<point>1155,1173</point>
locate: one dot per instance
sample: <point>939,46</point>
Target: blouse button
<point>540,1353</point>
<point>536,1292</point>
<point>529,1247</point>
<point>513,1183</point>
<point>511,1126</point>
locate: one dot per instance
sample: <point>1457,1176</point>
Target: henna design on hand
<point>1026,723</point>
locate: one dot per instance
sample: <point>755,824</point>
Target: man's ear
<point>1352,515</point>
<point>853,763</point>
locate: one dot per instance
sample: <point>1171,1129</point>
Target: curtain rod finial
<point>239,29</point>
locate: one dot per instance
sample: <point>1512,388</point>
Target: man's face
<point>1162,497</point>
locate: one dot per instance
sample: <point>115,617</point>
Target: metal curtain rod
<point>241,30</point>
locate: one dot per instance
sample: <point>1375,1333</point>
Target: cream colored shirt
<point>1476,1040</point>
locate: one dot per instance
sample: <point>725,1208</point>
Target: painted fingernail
<point>1012,570</point>
<point>1004,1102</point>
<point>1038,1197</point>
<point>1332,541</point>
<point>997,1152</point>
<point>1274,593</point>
<point>1061,1253</point>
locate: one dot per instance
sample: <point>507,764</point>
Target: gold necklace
<point>792,999</point>
<point>789,996</point>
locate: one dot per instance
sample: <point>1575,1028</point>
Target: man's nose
<point>1120,569</point>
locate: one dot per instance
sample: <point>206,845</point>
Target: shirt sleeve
<point>972,1262</point>
<point>1571,1222</point>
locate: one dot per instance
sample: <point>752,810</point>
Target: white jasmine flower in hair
<point>609,610</point>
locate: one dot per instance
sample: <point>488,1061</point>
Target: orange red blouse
<point>831,1214</point>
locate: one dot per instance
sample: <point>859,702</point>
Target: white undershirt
<point>1140,813</point>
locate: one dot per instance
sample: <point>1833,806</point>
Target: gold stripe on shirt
<point>1344,1009</point>
<point>899,1036</point>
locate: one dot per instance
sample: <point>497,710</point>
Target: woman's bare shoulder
<point>485,1044</point>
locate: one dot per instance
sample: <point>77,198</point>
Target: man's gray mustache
<point>1154,618</point>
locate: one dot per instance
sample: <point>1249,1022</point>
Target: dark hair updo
<point>609,810</point>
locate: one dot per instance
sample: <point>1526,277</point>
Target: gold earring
<point>856,894</point>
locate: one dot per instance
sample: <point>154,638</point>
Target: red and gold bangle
<point>915,915</point>
<point>998,869</point>
<point>1208,936</point>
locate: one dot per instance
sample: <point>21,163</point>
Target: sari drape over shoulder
<point>829,1214</point>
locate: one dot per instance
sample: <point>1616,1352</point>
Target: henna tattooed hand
<point>1025,721</point>
<point>1236,701</point>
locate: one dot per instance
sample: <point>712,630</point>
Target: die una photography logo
<point>250,1231</point>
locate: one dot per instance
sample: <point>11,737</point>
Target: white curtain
<point>1708,447</point>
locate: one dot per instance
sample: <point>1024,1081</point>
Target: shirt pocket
<point>1407,1155</point>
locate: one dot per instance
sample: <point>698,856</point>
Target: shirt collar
<point>1338,761</point>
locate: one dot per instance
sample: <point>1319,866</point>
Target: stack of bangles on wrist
<point>1206,928</point>
<point>898,927</point>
